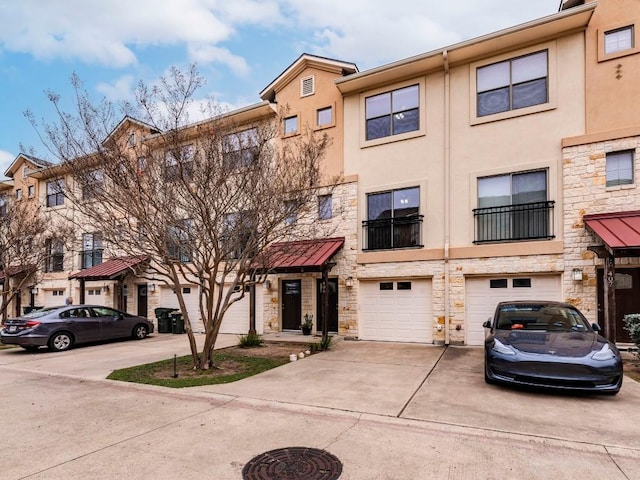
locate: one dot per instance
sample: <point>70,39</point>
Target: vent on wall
<point>307,86</point>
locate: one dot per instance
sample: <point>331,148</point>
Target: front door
<point>333,305</point>
<point>142,300</point>
<point>627,287</point>
<point>291,304</point>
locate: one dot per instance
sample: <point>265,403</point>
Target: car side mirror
<point>595,327</point>
<point>487,324</point>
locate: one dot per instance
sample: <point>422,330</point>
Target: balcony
<point>392,233</point>
<point>527,221</point>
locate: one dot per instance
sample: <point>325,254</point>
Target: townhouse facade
<point>493,169</point>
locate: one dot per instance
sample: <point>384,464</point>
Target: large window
<point>393,113</point>
<point>55,255</point>
<point>516,83</point>
<point>241,148</point>
<point>291,125</point>
<point>55,192</point>
<point>179,163</point>
<point>179,241</point>
<point>238,230</point>
<point>619,168</point>
<point>93,184</point>
<point>393,219</point>
<point>324,116</point>
<point>92,247</point>
<point>618,40</point>
<point>513,207</point>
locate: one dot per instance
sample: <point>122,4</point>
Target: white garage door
<point>94,295</point>
<point>236,320</point>
<point>483,294</point>
<point>169,299</point>
<point>54,298</point>
<point>396,310</point>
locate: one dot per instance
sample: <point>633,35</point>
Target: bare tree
<point>202,200</point>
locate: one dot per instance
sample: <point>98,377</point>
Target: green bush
<point>322,345</point>
<point>632,325</point>
<point>250,340</point>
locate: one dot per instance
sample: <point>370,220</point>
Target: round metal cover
<point>293,463</point>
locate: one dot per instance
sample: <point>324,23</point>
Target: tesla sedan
<point>60,328</point>
<point>550,345</point>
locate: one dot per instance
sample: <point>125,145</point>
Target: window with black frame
<point>92,248</point>
<point>55,255</point>
<point>393,113</point>
<point>393,220</point>
<point>55,192</point>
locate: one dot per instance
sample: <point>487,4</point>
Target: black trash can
<point>163,315</point>
<point>177,322</point>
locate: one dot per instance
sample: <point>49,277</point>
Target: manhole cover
<point>293,463</point>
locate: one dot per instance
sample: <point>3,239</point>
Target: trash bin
<point>177,322</point>
<point>163,315</point>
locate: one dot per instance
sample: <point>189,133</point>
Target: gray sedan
<point>60,328</point>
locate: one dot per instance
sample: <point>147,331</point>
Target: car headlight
<point>500,347</point>
<point>605,353</point>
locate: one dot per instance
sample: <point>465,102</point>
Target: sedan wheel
<point>140,332</point>
<point>60,342</point>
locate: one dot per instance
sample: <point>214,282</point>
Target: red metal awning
<point>620,231</point>
<point>110,269</point>
<point>300,256</point>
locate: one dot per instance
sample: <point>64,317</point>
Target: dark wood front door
<point>291,304</point>
<point>627,287</point>
<point>142,300</point>
<point>333,305</point>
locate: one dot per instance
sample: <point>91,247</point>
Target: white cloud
<point>6,158</point>
<point>204,54</point>
<point>119,89</point>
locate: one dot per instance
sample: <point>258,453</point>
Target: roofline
<point>38,162</point>
<point>463,53</point>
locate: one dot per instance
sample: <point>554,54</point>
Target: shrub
<point>322,345</point>
<point>250,340</point>
<point>632,325</point>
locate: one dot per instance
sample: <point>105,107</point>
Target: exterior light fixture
<point>577,275</point>
<point>348,282</point>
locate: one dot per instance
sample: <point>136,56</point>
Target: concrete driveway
<point>387,411</point>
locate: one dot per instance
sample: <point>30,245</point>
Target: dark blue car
<point>550,345</point>
<point>59,328</point>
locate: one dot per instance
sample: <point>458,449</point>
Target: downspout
<point>447,193</point>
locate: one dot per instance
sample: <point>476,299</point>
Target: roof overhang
<point>619,233</point>
<point>300,256</point>
<point>112,269</point>
<point>537,31</point>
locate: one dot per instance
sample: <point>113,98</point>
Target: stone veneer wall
<point>585,192</point>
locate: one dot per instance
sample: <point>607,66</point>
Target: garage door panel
<point>481,299</point>
<point>396,315</point>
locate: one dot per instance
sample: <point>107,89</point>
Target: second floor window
<point>291,125</point>
<point>179,163</point>
<point>92,247</point>
<point>516,83</point>
<point>393,113</point>
<point>618,40</point>
<point>18,194</point>
<point>393,220</point>
<point>55,255</point>
<point>324,116</point>
<point>241,148</point>
<point>55,192</point>
<point>513,207</point>
<point>93,184</point>
<point>179,241</point>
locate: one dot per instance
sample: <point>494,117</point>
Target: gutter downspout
<point>447,193</point>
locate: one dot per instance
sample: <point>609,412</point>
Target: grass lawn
<point>233,363</point>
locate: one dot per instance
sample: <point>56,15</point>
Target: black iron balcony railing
<point>390,233</point>
<point>527,221</point>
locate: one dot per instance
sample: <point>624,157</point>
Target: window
<point>93,184</point>
<point>521,283</point>
<point>91,249</point>
<point>386,285</point>
<point>179,163</point>
<point>325,206</point>
<point>3,205</point>
<point>291,212</point>
<point>96,291</point>
<point>18,194</point>
<point>57,293</point>
<point>618,40</point>
<point>307,86</point>
<point>498,283</point>
<point>290,125</point>
<point>393,220</point>
<point>142,164</point>
<point>179,240</point>
<point>392,113</point>
<point>619,168</point>
<point>324,116</point>
<point>404,285</point>
<point>186,290</point>
<point>238,231</point>
<point>516,83</point>
<point>131,141</point>
<point>31,189</point>
<point>241,148</point>
<point>513,207</point>
<point>55,255</point>
<point>55,192</point>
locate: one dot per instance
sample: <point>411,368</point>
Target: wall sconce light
<point>577,275</point>
<point>268,284</point>
<point>348,282</point>
<point>34,290</point>
<point>106,288</point>
<point>151,287</point>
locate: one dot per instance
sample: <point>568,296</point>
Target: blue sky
<point>240,46</point>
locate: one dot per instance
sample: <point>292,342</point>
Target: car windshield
<point>40,313</point>
<point>550,318</point>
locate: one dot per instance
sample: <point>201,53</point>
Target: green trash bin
<point>177,322</point>
<point>163,315</point>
